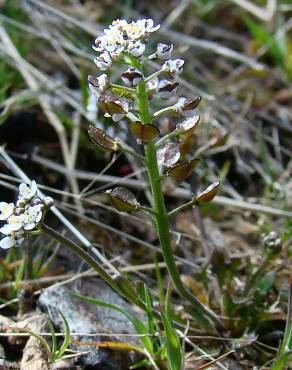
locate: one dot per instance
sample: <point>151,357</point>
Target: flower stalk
<point>161,217</point>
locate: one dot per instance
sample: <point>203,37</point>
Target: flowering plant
<point>124,44</point>
<point>24,217</point>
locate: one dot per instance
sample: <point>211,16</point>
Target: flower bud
<point>36,201</point>
<point>18,211</point>
<point>98,84</point>
<point>186,107</point>
<point>167,89</point>
<point>173,67</point>
<point>48,201</point>
<point>104,61</point>
<point>164,51</point>
<point>21,203</point>
<point>114,106</point>
<point>131,77</point>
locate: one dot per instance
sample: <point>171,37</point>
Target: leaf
<point>138,324</point>
<point>262,35</point>
<point>174,351</point>
<point>67,338</point>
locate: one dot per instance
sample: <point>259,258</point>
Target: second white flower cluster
<point>22,217</point>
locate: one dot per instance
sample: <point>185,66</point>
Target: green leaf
<point>174,351</point>
<point>54,341</point>
<point>262,35</point>
<point>138,324</point>
<point>66,341</point>
<point>173,345</point>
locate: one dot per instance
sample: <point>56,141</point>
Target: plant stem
<point>122,286</point>
<point>161,215</point>
<point>181,208</point>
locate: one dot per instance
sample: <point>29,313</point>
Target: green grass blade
<point>138,324</point>
<point>67,338</point>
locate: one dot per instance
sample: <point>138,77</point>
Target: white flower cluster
<point>119,41</point>
<point>122,36</point>
<point>22,217</point>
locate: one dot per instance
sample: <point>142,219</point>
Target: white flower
<point>104,61</point>
<point>136,48</point>
<point>173,67</point>
<point>164,51</point>
<point>27,192</point>
<point>6,210</point>
<point>123,36</point>
<point>14,224</point>
<point>98,84</point>
<point>11,241</point>
<point>31,217</point>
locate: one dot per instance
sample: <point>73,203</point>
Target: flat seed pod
<point>168,155</point>
<point>144,132</point>
<point>103,140</point>
<point>192,104</point>
<point>207,195</point>
<point>123,200</point>
<point>188,126</point>
<point>183,170</point>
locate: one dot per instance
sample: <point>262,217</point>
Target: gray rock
<point>91,319</point>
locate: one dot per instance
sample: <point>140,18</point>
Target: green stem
<point>181,208</point>
<point>120,285</point>
<point>161,215</point>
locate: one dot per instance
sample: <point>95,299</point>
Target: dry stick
<point>264,13</point>
<point>44,103</point>
<point>50,279</point>
<point>212,47</point>
<point>177,193</point>
<point>19,173</point>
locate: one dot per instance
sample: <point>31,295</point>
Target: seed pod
<point>167,89</point>
<point>207,195</point>
<point>189,126</point>
<point>144,132</point>
<point>186,107</point>
<point>123,200</point>
<point>98,84</point>
<point>164,51</point>
<point>182,170</point>
<point>114,106</point>
<point>168,155</point>
<point>131,77</point>
<point>103,140</point>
